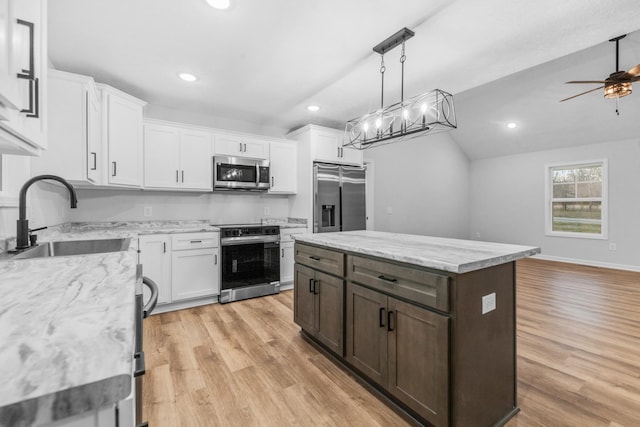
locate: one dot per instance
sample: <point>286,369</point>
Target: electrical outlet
<point>389,210</point>
<point>477,234</point>
<point>266,210</point>
<point>147,211</point>
<point>612,246</point>
<point>488,303</point>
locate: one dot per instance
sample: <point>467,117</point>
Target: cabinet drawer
<point>321,259</point>
<point>185,241</point>
<point>424,288</point>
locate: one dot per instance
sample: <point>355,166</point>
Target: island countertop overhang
<point>445,254</point>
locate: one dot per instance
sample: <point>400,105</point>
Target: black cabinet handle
<point>315,258</point>
<point>177,175</point>
<point>282,250</point>
<point>95,161</point>
<point>196,241</point>
<point>310,285</point>
<point>272,181</point>
<point>381,317</point>
<point>164,247</point>
<point>215,259</point>
<point>388,279</point>
<point>182,176</point>
<point>241,147</point>
<point>390,326</point>
<point>139,368</point>
<point>30,73</point>
<point>115,169</point>
<point>315,287</point>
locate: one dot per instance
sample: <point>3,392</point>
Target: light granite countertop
<point>66,323</point>
<point>67,334</point>
<point>452,255</point>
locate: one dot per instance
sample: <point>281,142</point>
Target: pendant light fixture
<point>430,112</point>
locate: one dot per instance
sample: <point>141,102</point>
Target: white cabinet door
<point>234,145</point>
<point>194,273</point>
<point>283,168</point>
<point>161,156</point>
<point>122,120</point>
<point>94,160</point>
<point>31,16</point>
<point>286,263</point>
<point>74,142</point>
<point>155,257</point>
<point>327,147</point>
<point>195,159</point>
<point>23,51</point>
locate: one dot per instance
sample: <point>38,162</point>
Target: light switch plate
<point>488,303</point>
<point>147,211</point>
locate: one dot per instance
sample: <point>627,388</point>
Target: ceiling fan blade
<point>635,71</point>
<point>586,81</point>
<point>583,93</point>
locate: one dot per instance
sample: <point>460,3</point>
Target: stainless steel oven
<point>238,173</point>
<point>250,264</point>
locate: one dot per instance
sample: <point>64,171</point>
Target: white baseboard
<point>588,262</point>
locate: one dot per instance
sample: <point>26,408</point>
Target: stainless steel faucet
<point>22,232</point>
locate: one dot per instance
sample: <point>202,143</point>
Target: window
<point>577,200</point>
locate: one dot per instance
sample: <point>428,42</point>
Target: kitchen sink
<point>75,247</point>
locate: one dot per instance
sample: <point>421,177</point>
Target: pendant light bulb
<point>423,107</point>
<point>378,123</point>
<point>365,126</point>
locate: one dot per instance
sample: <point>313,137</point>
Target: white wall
<point>46,204</point>
<point>507,198</point>
<point>128,205</point>
<point>425,183</point>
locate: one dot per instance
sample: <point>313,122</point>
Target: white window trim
<point>604,235</point>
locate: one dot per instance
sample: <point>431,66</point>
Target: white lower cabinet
<point>193,272</point>
<point>184,266</point>
<point>155,257</point>
<point>287,254</point>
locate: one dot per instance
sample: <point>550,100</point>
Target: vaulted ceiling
<point>263,62</point>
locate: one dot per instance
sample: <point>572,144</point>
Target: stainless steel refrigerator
<point>339,198</point>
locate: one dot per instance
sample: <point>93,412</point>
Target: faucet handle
<point>33,238</point>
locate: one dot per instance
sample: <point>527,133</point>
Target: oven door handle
<point>151,305</point>
<point>231,241</point>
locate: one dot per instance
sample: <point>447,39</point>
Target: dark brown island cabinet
<point>416,336</point>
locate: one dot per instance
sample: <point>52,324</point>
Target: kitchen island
<point>427,323</point>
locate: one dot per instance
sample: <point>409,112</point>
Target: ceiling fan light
<point>617,90</point>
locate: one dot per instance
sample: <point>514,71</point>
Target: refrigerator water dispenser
<point>328,215</point>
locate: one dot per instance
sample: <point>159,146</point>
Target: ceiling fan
<point>618,84</point>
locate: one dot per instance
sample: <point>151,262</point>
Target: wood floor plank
<point>245,363</point>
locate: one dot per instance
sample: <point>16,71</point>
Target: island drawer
<point>320,259</point>
<point>419,286</point>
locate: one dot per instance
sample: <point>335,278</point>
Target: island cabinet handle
<point>388,279</point>
<point>196,241</point>
<point>381,317</point>
<point>389,323</point>
<point>315,287</point>
<point>315,258</point>
<point>310,285</point>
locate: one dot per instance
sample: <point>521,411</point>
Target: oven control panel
<point>264,230</point>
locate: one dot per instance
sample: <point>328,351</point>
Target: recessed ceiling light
<point>313,108</point>
<point>219,4</point>
<point>187,77</point>
<point>512,125</point>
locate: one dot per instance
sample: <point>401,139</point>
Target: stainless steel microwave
<point>239,173</point>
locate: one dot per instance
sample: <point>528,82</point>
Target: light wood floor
<point>245,364</point>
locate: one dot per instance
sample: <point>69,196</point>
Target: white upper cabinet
<point>176,157</point>
<point>23,76</point>
<point>74,151</point>
<point>240,146</point>
<point>122,133</point>
<point>196,159</point>
<point>283,168</point>
<point>326,145</point>
<point>161,156</point>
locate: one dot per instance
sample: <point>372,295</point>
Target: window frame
<point>604,229</point>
